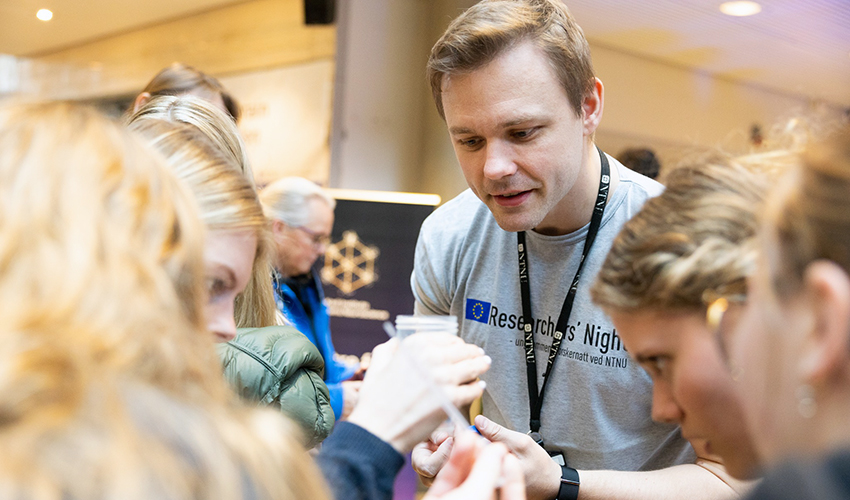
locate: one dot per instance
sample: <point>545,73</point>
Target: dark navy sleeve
<point>825,478</point>
<point>357,465</point>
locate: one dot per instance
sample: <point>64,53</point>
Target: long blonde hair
<point>115,277</point>
<point>207,118</point>
<point>228,202</point>
<point>109,385</point>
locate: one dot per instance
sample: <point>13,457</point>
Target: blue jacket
<point>318,329</point>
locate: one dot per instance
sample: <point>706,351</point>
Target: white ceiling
<point>77,21</point>
<point>801,47</point>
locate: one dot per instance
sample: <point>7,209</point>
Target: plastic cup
<point>408,325</point>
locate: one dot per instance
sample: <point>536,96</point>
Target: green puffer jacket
<point>278,365</point>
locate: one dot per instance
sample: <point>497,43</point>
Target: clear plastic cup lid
<point>426,320</point>
<point>409,324</point>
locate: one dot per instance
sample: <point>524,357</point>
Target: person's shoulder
<point>823,478</point>
<point>281,349</point>
<point>639,181</point>
<point>462,208</point>
<point>457,214</point>
<point>279,365</point>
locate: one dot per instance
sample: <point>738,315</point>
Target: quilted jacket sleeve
<point>279,366</point>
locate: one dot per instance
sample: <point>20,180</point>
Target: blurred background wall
<point>346,104</point>
<point>279,68</point>
<point>679,76</point>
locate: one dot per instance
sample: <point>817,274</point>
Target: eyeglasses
<point>318,239</point>
<point>715,312</point>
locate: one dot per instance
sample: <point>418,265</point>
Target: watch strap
<point>569,484</point>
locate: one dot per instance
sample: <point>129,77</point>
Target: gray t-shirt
<point>597,403</point>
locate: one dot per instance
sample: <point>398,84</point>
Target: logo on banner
<point>477,310</point>
<point>350,264</point>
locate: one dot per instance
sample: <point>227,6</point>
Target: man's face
<point>517,138</point>
<point>300,247</point>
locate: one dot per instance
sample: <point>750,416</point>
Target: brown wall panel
<point>249,36</point>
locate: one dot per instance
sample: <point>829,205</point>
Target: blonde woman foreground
<point>272,366</point>
<point>364,454</point>
<point>792,346</point>
<point>110,387</point>
<point>193,133</point>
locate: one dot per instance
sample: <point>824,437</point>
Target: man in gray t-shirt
<point>515,85</point>
<point>597,406</point>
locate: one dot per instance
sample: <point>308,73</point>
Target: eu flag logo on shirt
<point>477,310</point>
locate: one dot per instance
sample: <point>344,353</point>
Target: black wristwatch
<point>569,484</point>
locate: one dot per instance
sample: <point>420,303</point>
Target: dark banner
<point>367,266</point>
<point>366,274</point>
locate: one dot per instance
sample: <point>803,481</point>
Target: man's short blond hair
<point>491,27</point>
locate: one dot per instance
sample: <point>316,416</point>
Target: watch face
<point>559,458</point>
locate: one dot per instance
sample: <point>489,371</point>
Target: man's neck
<point>576,208</point>
<point>283,269</point>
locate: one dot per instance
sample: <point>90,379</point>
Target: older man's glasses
<point>317,239</point>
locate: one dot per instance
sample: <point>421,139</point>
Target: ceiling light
<point>740,9</point>
<point>44,14</point>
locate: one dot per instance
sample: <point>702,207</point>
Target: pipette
<point>455,416</point>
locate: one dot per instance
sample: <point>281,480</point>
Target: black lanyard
<point>535,399</point>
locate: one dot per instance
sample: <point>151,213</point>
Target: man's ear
<point>591,108</point>
<point>278,229</point>
<point>826,351</point>
<point>141,100</point>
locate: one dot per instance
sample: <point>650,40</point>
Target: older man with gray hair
<point>302,219</point>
